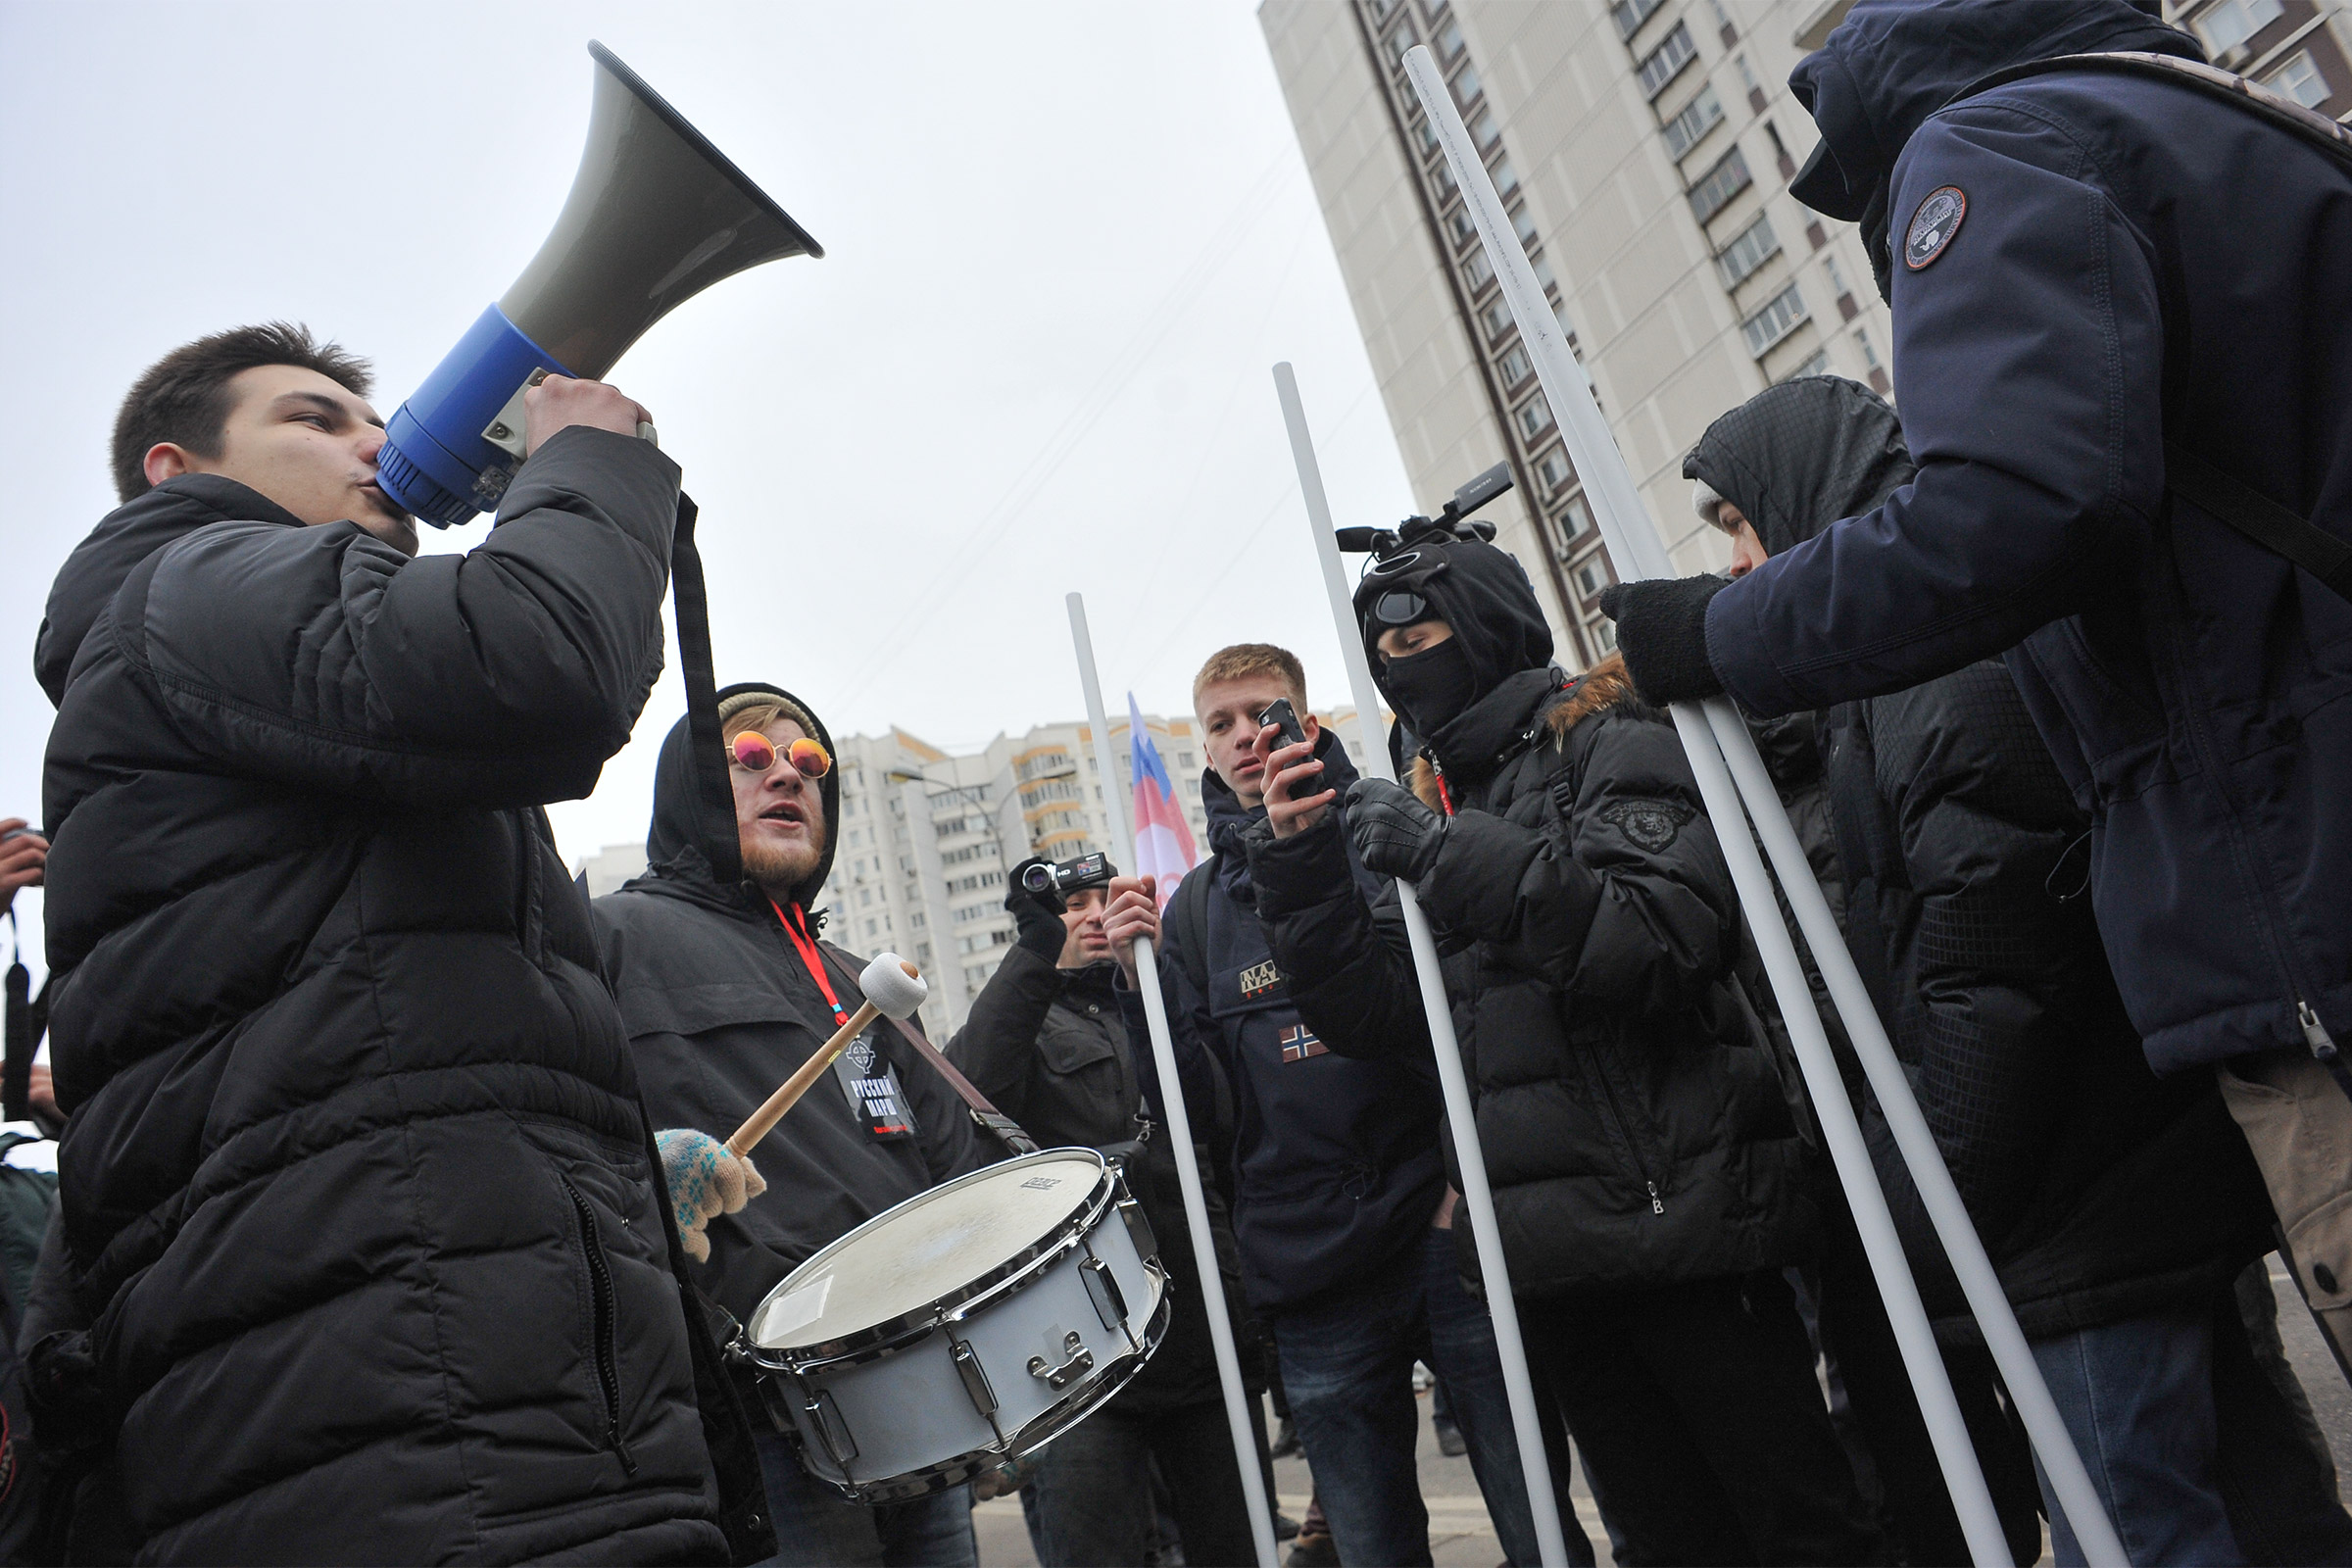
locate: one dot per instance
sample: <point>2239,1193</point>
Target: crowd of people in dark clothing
<point>393,1218</point>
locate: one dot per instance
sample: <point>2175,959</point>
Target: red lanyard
<point>806,946</point>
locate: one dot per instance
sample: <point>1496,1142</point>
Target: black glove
<point>1662,632</point>
<point>1394,834</point>
<point>1036,916</point>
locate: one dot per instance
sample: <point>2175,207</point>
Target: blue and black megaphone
<point>656,215</point>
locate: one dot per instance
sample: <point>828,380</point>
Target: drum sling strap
<point>987,1117</point>
<point>2275,527</point>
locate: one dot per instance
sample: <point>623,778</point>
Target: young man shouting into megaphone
<point>356,1197</point>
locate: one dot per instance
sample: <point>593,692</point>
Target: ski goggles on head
<point>1392,591</point>
<point>755,752</point>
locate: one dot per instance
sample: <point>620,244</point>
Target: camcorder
<point>1069,876</point>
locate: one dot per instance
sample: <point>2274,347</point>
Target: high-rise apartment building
<point>926,838</point>
<point>1644,149</point>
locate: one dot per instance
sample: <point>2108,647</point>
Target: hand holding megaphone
<point>892,987</point>
<point>560,402</point>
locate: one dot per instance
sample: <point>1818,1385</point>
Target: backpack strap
<point>2285,112</point>
<point>2260,518</point>
<point>986,1116</point>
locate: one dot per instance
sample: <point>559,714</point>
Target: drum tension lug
<point>1110,1302</point>
<point>1081,1361</point>
<point>825,1416</point>
<point>975,1378</point>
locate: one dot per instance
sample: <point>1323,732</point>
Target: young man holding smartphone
<point>1340,1206</point>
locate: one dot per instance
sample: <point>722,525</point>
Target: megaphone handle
<point>763,1121</point>
<point>645,433</point>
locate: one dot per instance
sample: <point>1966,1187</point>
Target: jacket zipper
<point>1624,1130</point>
<point>2315,1033</point>
<point>600,1281</point>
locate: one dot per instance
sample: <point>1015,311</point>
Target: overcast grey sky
<point>1065,243</point>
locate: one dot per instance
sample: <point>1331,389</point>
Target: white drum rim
<point>919,1320</point>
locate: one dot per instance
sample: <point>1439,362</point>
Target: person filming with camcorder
<point>1047,1044</point>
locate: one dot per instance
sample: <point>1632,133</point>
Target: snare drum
<point>968,1325</point>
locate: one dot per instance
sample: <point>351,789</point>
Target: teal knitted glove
<point>705,1181</point>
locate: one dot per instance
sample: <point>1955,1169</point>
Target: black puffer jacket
<point>720,1009</point>
<point>357,1190</point>
<point>1634,1120</point>
<point>2100,1191</point>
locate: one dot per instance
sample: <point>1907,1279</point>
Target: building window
<point>1870,356</point>
<point>1573,521</point>
<point>1523,223</point>
<point>1629,14</point>
<point>1542,271</point>
<point>1485,132</point>
<point>1776,321</point>
<point>1462,223</point>
<point>1448,41</point>
<point>1506,178</point>
<point>1699,116</point>
<point>1719,184</point>
<point>1514,365</point>
<point>1535,416</point>
<point>1552,469</point>
<point>1428,134</point>
<point>1748,250</point>
<point>1666,62</point>
<point>2298,80</point>
<point>1496,318</point>
<point>1816,363</point>
<point>1604,632</point>
<point>1829,265</point>
<point>1592,576</point>
<point>2225,25</point>
<point>1747,73</point>
<point>1465,86</point>
<point>1478,270</point>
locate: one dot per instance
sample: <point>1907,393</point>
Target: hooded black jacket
<point>2137,262</point>
<point>2100,1192</point>
<point>1633,1111</point>
<point>720,1009</point>
<point>356,1189</point>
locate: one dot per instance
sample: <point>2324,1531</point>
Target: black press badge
<point>875,1096</point>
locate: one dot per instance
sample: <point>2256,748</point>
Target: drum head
<point>928,1249</point>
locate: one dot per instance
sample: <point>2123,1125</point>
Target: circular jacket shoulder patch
<point>1651,824</point>
<point>1933,225</point>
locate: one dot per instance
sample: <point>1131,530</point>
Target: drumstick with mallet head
<point>893,988</point>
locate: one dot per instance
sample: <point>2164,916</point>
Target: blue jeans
<point>1347,1366</point>
<point>815,1526</point>
<point>2137,1400</point>
<point>1090,1502</point>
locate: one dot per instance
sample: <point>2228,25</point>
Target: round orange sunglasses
<point>755,752</point>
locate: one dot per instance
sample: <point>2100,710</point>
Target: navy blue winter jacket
<point>2136,261</point>
<point>1336,1161</point>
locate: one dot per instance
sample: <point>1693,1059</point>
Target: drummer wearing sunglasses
<point>726,990</point>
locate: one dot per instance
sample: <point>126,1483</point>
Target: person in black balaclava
<point>725,990</point>
<point>1649,1176</point>
<point>2115,1206</point>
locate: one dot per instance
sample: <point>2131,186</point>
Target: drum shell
<point>906,1418</point>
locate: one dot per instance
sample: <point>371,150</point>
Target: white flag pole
<point>1180,1121</point>
<point>1461,1116</point>
<point>1722,755</point>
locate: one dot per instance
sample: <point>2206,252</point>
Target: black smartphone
<point>1279,712</point>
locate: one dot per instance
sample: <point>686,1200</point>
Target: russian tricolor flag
<point>1163,841</point>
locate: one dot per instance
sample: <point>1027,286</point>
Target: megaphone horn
<point>656,215</point>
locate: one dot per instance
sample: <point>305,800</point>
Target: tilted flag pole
<point>1180,1121</point>
<point>1722,757</point>
<point>1461,1118</point>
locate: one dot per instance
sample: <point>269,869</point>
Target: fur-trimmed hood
<point>1604,686</point>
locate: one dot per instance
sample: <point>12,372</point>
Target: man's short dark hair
<point>183,398</point>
